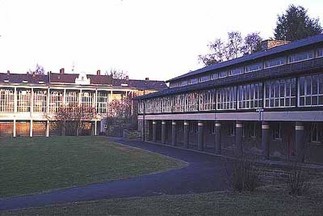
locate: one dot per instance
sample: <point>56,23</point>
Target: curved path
<point>203,174</point>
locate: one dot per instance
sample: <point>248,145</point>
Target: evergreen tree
<point>295,24</point>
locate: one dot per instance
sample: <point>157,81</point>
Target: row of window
<point>56,100</point>
<point>274,62</point>
<point>280,93</point>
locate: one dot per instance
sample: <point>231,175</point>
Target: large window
<point>250,96</point>
<point>87,98</point>
<point>311,90</point>
<point>23,100</point>
<point>102,102</point>
<point>72,98</point>
<point>207,100</point>
<point>254,67</point>
<point>55,100</point>
<point>226,98</point>
<point>167,104</point>
<point>191,102</point>
<point>316,132</point>
<point>275,62</point>
<point>6,100</point>
<point>280,93</point>
<point>179,103</point>
<point>301,56</point>
<point>40,100</point>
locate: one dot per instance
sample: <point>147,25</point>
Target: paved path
<point>204,173</point>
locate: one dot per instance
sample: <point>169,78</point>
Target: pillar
<point>47,129</point>
<point>95,127</point>
<point>174,133</point>
<point>31,128</point>
<point>186,134</point>
<point>14,128</point>
<point>218,147</point>
<point>163,132</point>
<point>299,141</point>
<point>154,131</point>
<point>200,144</point>
<point>265,139</point>
<point>239,137</point>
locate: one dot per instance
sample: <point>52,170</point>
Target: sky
<point>159,39</point>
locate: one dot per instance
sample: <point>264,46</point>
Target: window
<point>6,100</point>
<point>211,126</point>
<point>236,71</point>
<point>280,93</point>
<point>249,130</point>
<point>191,102</point>
<point>179,103</point>
<point>319,53</point>
<point>302,56</point>
<point>141,105</point>
<point>167,104</point>
<point>226,98</point>
<point>223,74</point>
<point>316,132</point>
<point>72,98</point>
<point>23,100</point>
<point>215,76</point>
<point>207,100</point>
<point>311,90</point>
<point>193,127</point>
<point>254,67</point>
<point>55,100</point>
<point>277,131</point>
<point>275,62</point>
<point>250,96</point>
<point>102,102</point>
<point>86,99</point>
<point>204,78</point>
<point>40,100</point>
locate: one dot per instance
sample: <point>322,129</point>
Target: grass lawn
<point>31,165</point>
<point>268,200</point>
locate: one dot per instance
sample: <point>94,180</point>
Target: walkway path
<point>203,174</point>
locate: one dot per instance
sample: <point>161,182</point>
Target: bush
<point>297,181</point>
<point>245,176</point>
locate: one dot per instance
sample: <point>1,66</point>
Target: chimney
<point>61,71</point>
<point>8,72</point>
<point>127,77</point>
<point>147,78</point>
<point>268,44</point>
<point>98,72</point>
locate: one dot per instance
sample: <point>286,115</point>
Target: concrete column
<point>200,143</point>
<point>95,127</point>
<point>15,103</point>
<point>31,128</point>
<point>154,131</point>
<point>47,129</point>
<point>14,133</point>
<point>238,137</point>
<point>174,133</point>
<point>299,141</point>
<point>265,139</point>
<point>218,147</point>
<point>163,132</point>
<point>186,134</point>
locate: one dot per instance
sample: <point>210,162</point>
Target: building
<point>29,102</point>
<point>268,103</point>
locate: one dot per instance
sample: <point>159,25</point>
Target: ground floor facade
<point>267,135</point>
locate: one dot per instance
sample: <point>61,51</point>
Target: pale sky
<point>159,39</point>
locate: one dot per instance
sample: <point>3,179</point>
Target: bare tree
<point>117,74</point>
<point>72,117</point>
<point>39,70</point>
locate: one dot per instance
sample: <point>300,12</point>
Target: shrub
<point>245,175</point>
<point>297,181</point>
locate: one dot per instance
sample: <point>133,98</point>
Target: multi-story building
<point>29,102</point>
<point>268,103</point>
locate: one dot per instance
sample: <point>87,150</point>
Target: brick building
<point>29,102</point>
<point>268,103</point>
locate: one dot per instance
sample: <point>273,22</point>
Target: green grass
<point>31,165</point>
<point>269,200</point>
